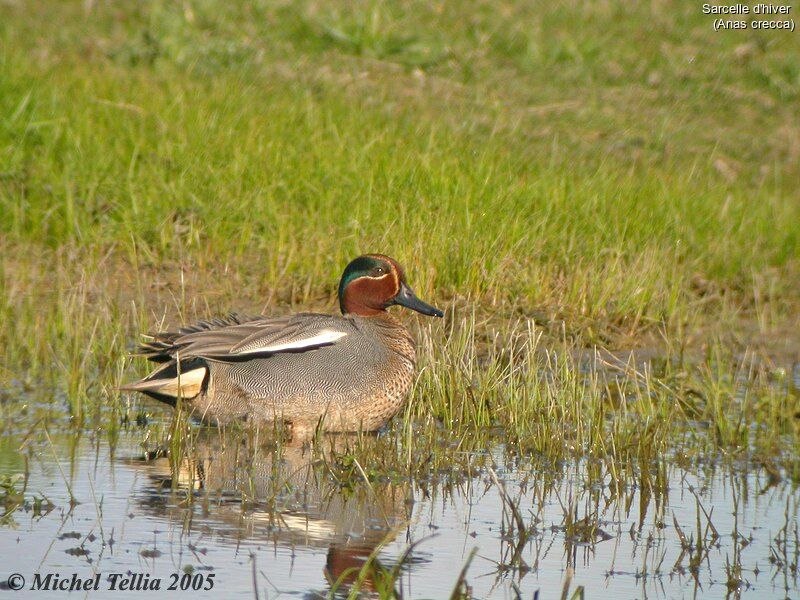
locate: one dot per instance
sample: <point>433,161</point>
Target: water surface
<point>286,527</point>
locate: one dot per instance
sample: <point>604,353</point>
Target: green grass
<point>553,175</point>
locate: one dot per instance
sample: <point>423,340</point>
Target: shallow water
<point>298,531</point>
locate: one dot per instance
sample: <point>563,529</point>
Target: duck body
<point>357,382</point>
<point>309,370</point>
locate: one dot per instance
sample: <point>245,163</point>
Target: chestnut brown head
<point>372,283</point>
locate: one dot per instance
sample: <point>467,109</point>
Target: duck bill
<point>406,297</point>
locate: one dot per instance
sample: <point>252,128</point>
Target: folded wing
<point>238,337</point>
<point>187,351</point>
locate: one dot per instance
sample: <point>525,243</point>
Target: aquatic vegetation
<point>13,499</point>
<point>249,508</point>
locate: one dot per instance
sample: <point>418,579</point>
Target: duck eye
<point>378,271</point>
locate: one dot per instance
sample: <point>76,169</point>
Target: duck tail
<point>167,383</point>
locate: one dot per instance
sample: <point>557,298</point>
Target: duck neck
<point>353,307</point>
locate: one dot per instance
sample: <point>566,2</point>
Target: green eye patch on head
<point>363,266</point>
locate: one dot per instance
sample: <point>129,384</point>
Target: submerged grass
<point>161,162</point>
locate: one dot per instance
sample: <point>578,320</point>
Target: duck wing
<point>163,345</point>
<point>237,337</point>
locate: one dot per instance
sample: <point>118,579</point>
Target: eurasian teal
<point>309,370</point>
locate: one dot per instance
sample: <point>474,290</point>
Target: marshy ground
<point>610,218</point>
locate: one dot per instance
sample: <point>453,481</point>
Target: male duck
<point>341,373</point>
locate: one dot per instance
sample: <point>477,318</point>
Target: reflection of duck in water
<point>285,495</point>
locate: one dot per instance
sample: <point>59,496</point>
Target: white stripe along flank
<point>326,336</point>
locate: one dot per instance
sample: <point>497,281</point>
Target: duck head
<point>372,283</point>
